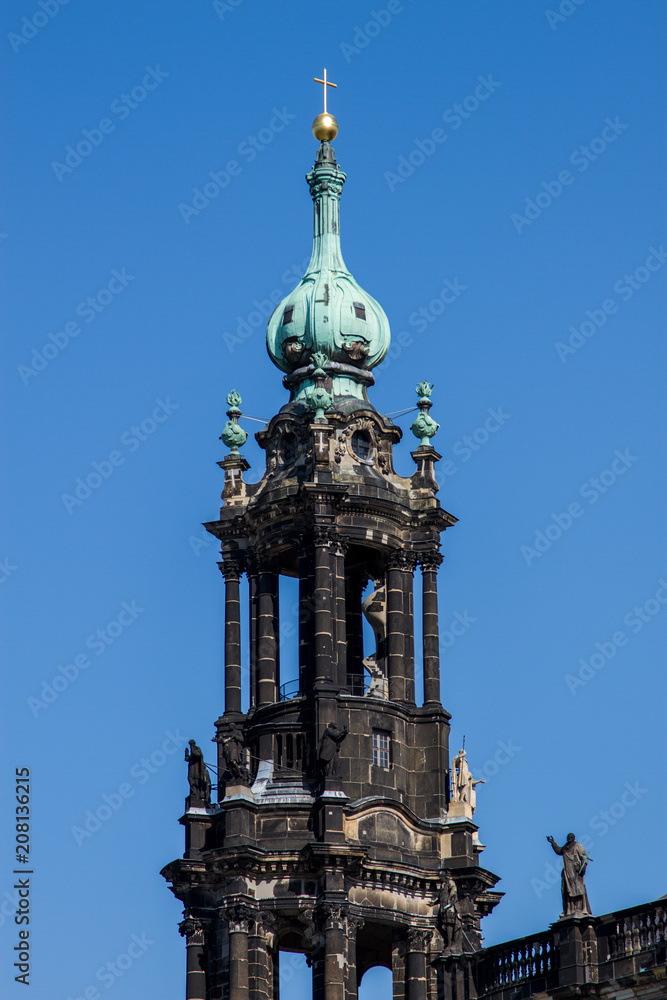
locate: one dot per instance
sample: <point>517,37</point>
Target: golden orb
<point>325,127</point>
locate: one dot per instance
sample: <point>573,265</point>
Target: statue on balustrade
<point>463,783</point>
<point>573,889</point>
<point>198,777</point>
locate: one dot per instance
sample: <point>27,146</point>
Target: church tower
<point>335,833</point>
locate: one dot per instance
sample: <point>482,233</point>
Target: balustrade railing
<point>632,932</point>
<point>518,962</point>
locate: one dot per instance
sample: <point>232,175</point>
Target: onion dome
<point>328,313</point>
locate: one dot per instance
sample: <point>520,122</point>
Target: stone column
<point>431,638</point>
<point>252,570</point>
<point>231,571</point>
<point>408,583</point>
<point>338,587</point>
<point>323,637</point>
<point>398,971</point>
<point>239,919</point>
<point>195,977</point>
<point>268,671</point>
<point>329,969</point>
<point>399,625</point>
<point>354,924</point>
<point>306,615</point>
<point>263,957</point>
<point>418,939</point>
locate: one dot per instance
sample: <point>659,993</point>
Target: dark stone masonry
<point>335,833</point>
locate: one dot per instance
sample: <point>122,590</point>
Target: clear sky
<point>505,204</point>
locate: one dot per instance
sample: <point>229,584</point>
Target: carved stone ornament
<point>418,938</point>
<point>309,931</point>
<point>239,917</point>
<point>193,930</point>
<point>266,926</point>
<point>331,916</point>
<point>356,350</point>
<point>431,560</point>
<point>400,559</point>
<point>232,745</point>
<point>231,568</point>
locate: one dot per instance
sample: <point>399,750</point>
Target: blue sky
<point>512,150</point>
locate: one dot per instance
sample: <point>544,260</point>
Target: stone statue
<point>330,750</point>
<point>573,889</point>
<point>378,685</point>
<point>463,783</point>
<point>198,777</point>
<point>232,745</point>
<point>449,918</point>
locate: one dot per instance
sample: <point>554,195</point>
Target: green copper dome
<point>328,312</point>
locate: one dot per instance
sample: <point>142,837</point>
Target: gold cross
<point>325,83</point>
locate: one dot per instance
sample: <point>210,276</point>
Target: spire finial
<point>325,126</point>
<point>424,426</point>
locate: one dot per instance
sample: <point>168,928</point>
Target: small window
<point>288,449</point>
<point>287,315</point>
<point>362,445</point>
<point>381,748</point>
<point>359,310</point>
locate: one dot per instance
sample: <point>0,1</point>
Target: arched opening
<point>289,637</point>
<point>295,978</point>
<point>377,984</point>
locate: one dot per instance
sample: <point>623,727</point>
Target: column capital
<point>430,560</point>
<point>193,930</point>
<point>331,915</point>
<point>400,559</point>
<point>418,938</point>
<point>327,535</point>
<point>239,917</point>
<point>231,567</point>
